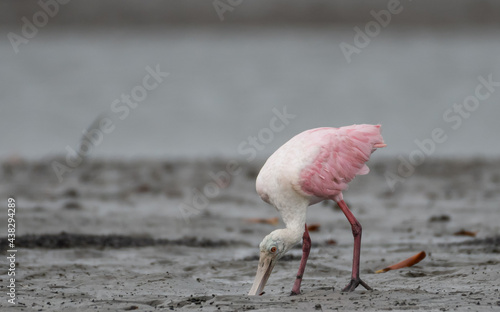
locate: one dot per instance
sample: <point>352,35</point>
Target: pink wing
<point>342,156</point>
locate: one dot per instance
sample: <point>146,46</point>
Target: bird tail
<point>364,140</point>
<point>368,134</point>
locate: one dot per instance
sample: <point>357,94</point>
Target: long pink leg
<point>356,232</point>
<point>306,247</point>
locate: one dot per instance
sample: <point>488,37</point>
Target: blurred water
<point>223,84</point>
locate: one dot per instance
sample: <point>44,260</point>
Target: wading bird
<point>313,166</point>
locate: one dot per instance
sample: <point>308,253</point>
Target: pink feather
<point>343,154</point>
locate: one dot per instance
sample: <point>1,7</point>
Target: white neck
<point>290,236</point>
<point>295,220</point>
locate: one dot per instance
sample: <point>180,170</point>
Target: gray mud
<point>140,235</point>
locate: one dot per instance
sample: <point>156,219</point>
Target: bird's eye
<point>273,249</point>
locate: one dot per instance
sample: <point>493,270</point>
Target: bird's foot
<point>296,285</point>
<point>354,283</point>
<point>295,289</point>
<point>294,293</point>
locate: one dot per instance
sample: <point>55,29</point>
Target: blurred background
<point>232,64</point>
<point>169,95</point>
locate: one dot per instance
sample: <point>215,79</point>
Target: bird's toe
<point>349,287</point>
<point>354,283</point>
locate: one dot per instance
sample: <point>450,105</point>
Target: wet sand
<point>120,235</point>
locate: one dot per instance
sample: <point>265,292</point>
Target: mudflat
<point>153,234</point>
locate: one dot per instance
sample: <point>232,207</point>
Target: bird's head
<point>272,248</point>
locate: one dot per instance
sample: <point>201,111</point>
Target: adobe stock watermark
<point>221,7</point>
<point>121,108</point>
<point>199,199</point>
<point>454,117</point>
<point>40,19</point>
<point>363,37</point>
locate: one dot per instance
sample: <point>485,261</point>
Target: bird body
<point>313,166</point>
<point>319,163</point>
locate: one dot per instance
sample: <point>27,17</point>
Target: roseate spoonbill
<point>313,166</point>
